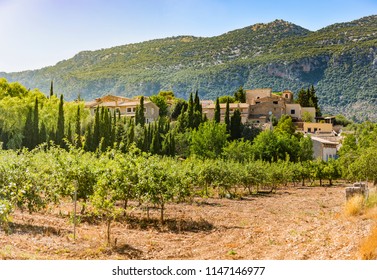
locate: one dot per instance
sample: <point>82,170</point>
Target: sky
<point>39,33</point>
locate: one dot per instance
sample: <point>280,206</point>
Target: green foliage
<point>226,98</point>
<point>161,103</point>
<point>208,140</point>
<point>217,117</point>
<point>240,95</point>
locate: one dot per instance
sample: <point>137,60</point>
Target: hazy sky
<point>38,33</point>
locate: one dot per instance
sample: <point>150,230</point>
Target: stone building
<point>126,106</point>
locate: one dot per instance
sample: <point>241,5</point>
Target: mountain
<point>340,60</point>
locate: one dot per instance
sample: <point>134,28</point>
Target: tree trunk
<point>125,207</point>
<point>162,214</point>
<point>108,231</point>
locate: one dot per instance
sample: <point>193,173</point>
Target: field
<point>291,224</point>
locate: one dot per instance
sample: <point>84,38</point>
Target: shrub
<point>354,205</point>
<point>368,248</point>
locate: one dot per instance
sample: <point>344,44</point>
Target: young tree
<point>209,140</point>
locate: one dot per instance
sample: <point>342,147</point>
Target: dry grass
<point>368,247</point>
<point>292,224</point>
<point>354,206</point>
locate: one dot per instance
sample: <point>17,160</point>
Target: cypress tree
<point>236,125</point>
<point>43,133</point>
<point>88,144</point>
<point>146,143</point>
<point>139,114</point>
<point>28,130</point>
<point>227,116</point>
<point>190,112</point>
<point>217,111</point>
<point>60,124</point>
<point>35,128</point>
<point>155,147</point>
<point>130,133</point>
<point>51,89</point>
<point>96,130</point>
<point>69,133</point>
<point>77,137</point>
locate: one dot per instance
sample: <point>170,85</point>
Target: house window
<point>275,102</point>
<point>286,96</point>
<point>257,102</point>
<point>128,110</point>
<point>309,129</point>
<point>293,111</point>
<point>133,109</point>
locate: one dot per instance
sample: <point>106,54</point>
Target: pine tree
<point>60,124</point>
<point>227,117</point>
<point>236,125</point>
<point>240,95</point>
<point>217,111</point>
<point>303,98</point>
<point>314,100</point>
<point>77,137</point>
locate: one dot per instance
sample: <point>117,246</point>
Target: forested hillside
<point>340,60</point>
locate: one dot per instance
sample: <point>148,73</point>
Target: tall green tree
<point>51,89</point>
<point>190,112</point>
<point>35,128</point>
<point>28,130</point>
<point>78,142</point>
<point>217,111</point>
<point>96,138</point>
<point>236,125</point>
<point>240,95</point>
<point>209,140</point>
<point>60,124</point>
<point>139,114</point>
<point>227,117</point>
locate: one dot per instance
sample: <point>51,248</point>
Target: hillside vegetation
<point>340,60</point>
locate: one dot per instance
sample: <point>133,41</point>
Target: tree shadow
<point>178,225</point>
<point>15,228</point>
<point>128,251</point>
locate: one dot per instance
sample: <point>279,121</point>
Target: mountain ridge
<point>340,60</point>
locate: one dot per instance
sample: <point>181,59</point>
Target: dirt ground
<point>292,224</point>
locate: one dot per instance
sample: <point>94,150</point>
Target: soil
<point>291,224</point>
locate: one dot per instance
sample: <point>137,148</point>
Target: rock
<point>357,188</point>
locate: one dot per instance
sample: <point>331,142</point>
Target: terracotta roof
<point>231,106</point>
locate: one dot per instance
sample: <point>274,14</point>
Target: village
<point>260,107</point>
